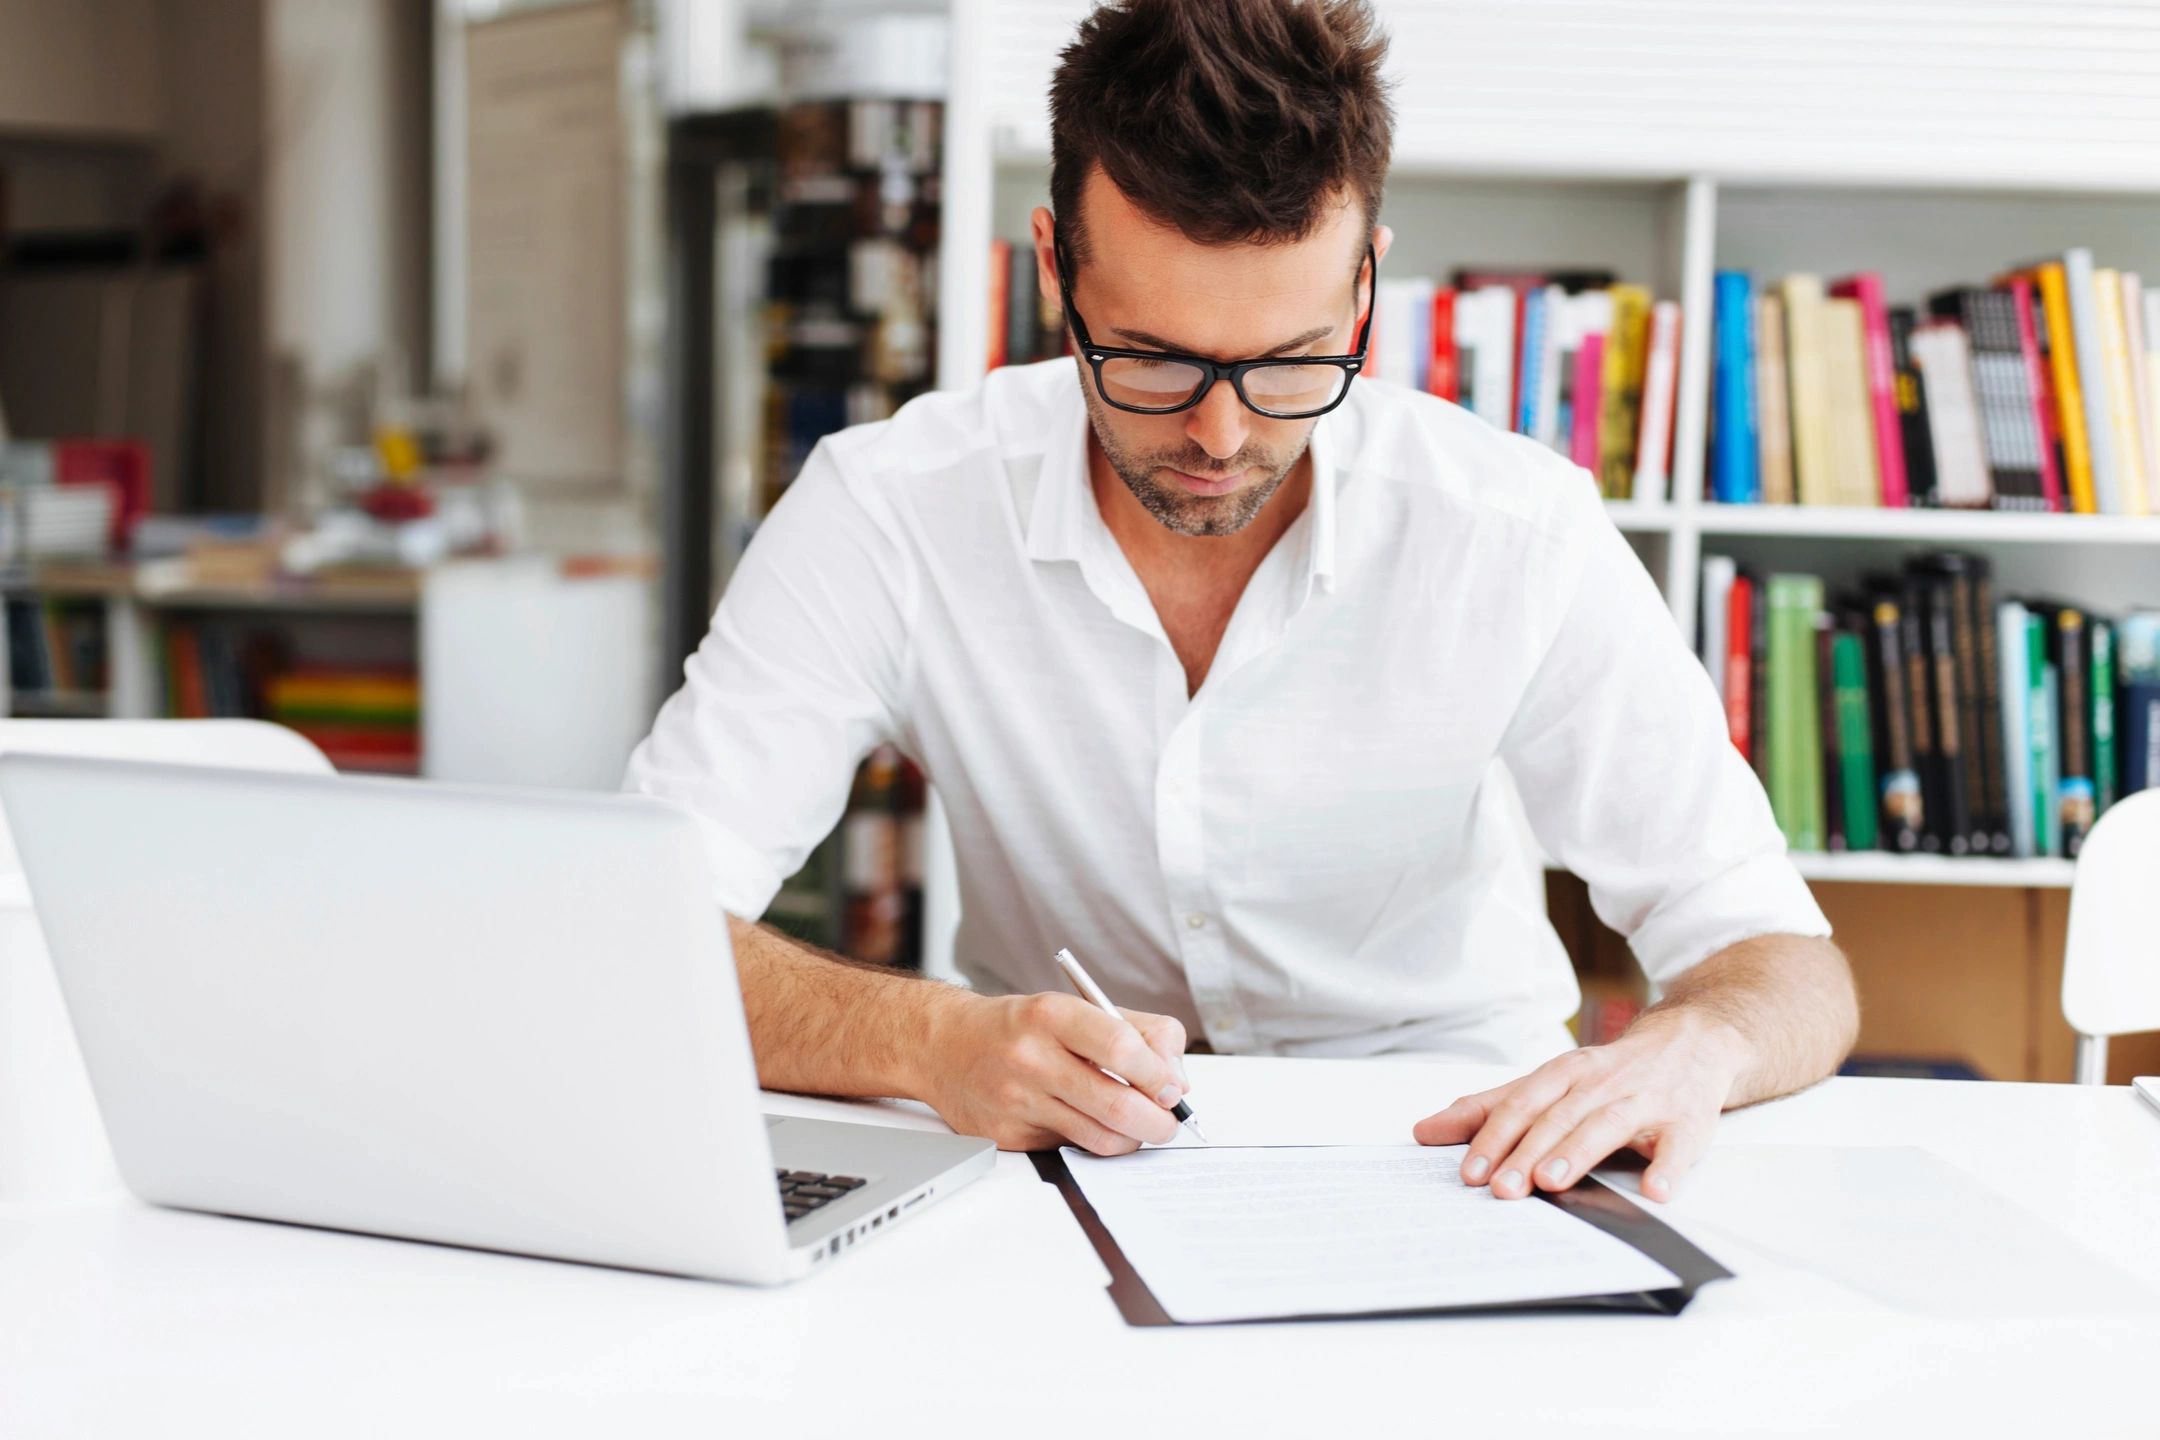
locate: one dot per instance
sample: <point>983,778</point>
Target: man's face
<point>1210,469</point>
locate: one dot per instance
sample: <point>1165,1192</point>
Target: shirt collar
<point>1062,513</point>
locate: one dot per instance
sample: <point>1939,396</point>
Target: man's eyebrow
<point>1141,337</point>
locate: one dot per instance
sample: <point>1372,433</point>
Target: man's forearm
<point>1784,1002</point>
<point>824,1025</point>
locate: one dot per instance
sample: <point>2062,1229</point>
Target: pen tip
<point>1198,1133</point>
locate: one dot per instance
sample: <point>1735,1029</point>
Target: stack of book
<point>1572,358</point>
<point>362,720</point>
<point>2039,392</point>
<point>1918,714</point>
<point>56,646</point>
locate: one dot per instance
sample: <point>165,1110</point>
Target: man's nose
<point>1217,424</point>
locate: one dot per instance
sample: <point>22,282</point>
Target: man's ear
<point>1382,237</point>
<point>1042,230</point>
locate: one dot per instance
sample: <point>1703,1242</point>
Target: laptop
<point>499,1019</point>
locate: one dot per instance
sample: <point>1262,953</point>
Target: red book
<point>2043,391</point>
<point>1443,372</point>
<point>121,465</point>
<point>1867,288</point>
<point>1000,301</point>
<point>1739,663</point>
<point>1589,401</point>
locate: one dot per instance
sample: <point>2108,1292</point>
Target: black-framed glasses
<point>1163,382</point>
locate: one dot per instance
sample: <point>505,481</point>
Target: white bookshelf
<point>1667,139</point>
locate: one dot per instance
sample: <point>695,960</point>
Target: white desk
<point>988,1316</point>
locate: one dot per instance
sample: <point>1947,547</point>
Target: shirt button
<point>1195,920</point>
<point>1223,1023</point>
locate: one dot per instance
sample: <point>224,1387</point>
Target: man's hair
<point>1232,120</point>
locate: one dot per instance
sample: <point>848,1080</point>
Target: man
<point>1217,667</point>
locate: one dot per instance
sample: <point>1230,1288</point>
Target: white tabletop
<point>988,1313</point>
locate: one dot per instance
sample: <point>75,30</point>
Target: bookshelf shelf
<point>1928,527</point>
<point>1879,868</point>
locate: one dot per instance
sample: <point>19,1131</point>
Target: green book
<point>1796,778</point>
<point>1856,752</point>
<point>2041,716</point>
<point>2101,682</point>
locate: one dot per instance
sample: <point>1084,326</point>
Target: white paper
<point>1271,1100</point>
<point>1238,1234</point>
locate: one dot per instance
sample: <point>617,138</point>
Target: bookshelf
<point>1667,140</point>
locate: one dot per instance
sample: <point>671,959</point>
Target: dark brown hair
<point>1233,120</point>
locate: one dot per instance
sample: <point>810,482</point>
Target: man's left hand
<point>1659,1089</point>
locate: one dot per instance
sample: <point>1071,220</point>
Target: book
<point>1815,481</point>
<point>2069,396</point>
<point>1980,606</point>
<point>2122,392</point>
<point>1903,819</point>
<point>1854,480</point>
<point>1661,377</point>
<point>2051,701</point>
<point>1920,697</point>
<point>2002,392</point>
<point>2032,350</point>
<point>1866,289</point>
<point>1829,732</point>
<point>1919,446</point>
<point>1589,408</point>
<point>2082,294</point>
<point>1735,455</point>
<point>1626,344</point>
<point>1955,829</point>
<point>1739,652</point>
<point>1855,745</point>
<point>1944,359</point>
<point>2040,724</point>
<point>1485,335</point>
<point>2141,386</point>
<point>1796,777</point>
<point>1719,572</point>
<point>1581,316</point>
<point>1443,375</point>
<point>1759,679</point>
<point>1400,347</point>
<point>2067,658</point>
<point>1773,402</point>
<point>2016,726</point>
<point>1974,682</point>
<point>2100,646</point>
<point>2137,663</point>
<point>1541,363</point>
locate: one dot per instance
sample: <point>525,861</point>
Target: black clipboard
<point>1590,1200</point>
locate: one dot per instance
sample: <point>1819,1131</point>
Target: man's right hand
<point>1027,1072</point>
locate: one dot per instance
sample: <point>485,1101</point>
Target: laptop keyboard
<point>802,1191</point>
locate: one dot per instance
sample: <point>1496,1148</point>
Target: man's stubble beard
<point>1174,507</point>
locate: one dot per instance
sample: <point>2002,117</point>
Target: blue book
<point>2137,652</point>
<point>1735,455</point>
<point>1535,319</point>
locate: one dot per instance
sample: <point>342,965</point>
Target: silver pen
<point>1093,993</point>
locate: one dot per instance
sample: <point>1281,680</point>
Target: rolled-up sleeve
<point>799,677</point>
<point>1628,776</point>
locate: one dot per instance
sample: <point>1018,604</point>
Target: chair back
<point>2111,957</point>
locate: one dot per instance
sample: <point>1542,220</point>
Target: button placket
<point>1180,845</point>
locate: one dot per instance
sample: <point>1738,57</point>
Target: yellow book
<point>2122,395</point>
<point>1627,345</point>
<point>1855,475</point>
<point>2069,396</point>
<point>1815,480</point>
<point>1773,403</point>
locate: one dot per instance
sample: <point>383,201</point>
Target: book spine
<point>1829,734</point>
<point>2076,792</point>
<point>2070,410</point>
<point>2122,398</point>
<point>1795,747</point>
<point>1902,816</point>
<point>1856,756</point>
<point>1773,402</point>
<point>2040,723</point>
<point>1949,706</point>
<point>2143,410</point>
<point>1589,401</point>
<point>1739,648</point>
<point>1965,653</point>
<point>1759,679</point>
<point>2051,702</point>
<point>2102,727</point>
<point>1552,347</point>
<point>1735,477</point>
<point>1537,319</point>
<point>1856,479</point>
<point>1919,694</point>
<point>1812,463</point>
<point>1943,356</point>
<point>2084,306</point>
<point>1621,396</point>
<point>1661,374</point>
<point>2016,726</point>
<point>1980,610</point>
<point>1867,288</point>
<point>1443,375</point>
<point>1919,447</point>
<point>2038,386</point>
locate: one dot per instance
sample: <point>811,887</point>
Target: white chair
<point>2111,957</point>
<point>52,1144</point>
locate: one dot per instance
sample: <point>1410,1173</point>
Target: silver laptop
<point>499,1019</point>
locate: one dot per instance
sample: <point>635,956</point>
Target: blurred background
<point>412,372</point>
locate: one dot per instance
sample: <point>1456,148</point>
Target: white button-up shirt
<point>1314,855</point>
